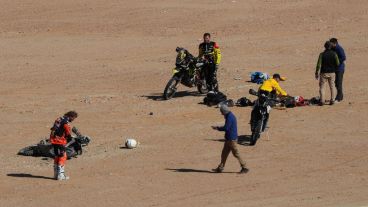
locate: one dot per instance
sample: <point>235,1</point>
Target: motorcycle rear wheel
<point>70,152</point>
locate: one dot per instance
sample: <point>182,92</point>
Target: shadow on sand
<point>217,140</point>
<point>179,94</point>
<point>24,175</point>
<point>189,170</point>
<point>242,140</point>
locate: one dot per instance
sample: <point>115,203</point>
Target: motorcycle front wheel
<point>170,88</point>
<point>28,151</point>
<point>256,123</point>
<point>202,87</point>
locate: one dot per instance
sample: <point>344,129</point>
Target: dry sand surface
<point>110,61</point>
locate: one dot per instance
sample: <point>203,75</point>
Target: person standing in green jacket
<point>327,65</point>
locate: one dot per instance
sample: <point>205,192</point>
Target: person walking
<point>231,137</point>
<point>340,70</point>
<point>60,132</point>
<point>327,65</point>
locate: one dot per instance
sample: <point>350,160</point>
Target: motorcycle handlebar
<point>255,93</point>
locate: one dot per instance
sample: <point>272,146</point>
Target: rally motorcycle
<point>260,115</point>
<point>188,71</point>
<point>74,146</point>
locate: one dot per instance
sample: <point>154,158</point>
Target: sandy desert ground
<point>118,56</point>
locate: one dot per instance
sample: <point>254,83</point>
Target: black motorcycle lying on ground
<point>44,148</point>
<point>188,71</point>
<point>260,115</point>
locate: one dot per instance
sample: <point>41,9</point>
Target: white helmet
<point>131,143</point>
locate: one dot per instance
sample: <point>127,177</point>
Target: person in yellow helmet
<point>271,87</point>
<point>210,51</point>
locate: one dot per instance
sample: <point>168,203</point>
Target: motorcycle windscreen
<point>180,57</point>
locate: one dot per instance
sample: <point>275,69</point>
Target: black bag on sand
<point>214,98</point>
<point>290,102</point>
<point>314,101</point>
<point>243,101</point>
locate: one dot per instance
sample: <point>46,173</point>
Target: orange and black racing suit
<point>60,132</point>
<point>210,52</point>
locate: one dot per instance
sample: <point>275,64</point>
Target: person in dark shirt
<point>341,69</point>
<point>231,137</point>
<point>210,51</point>
<point>60,132</point>
<point>327,65</point>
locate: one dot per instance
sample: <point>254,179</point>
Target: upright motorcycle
<point>260,115</point>
<point>188,71</point>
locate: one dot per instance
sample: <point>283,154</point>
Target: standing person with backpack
<point>327,65</point>
<point>210,51</point>
<point>340,70</point>
<point>60,132</point>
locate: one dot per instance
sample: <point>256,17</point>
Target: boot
<point>219,169</point>
<point>244,170</point>
<point>55,171</point>
<point>215,87</point>
<point>61,173</point>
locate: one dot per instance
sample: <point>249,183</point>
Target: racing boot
<point>55,171</point>
<point>61,173</point>
<point>215,85</point>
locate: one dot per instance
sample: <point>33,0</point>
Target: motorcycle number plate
<point>268,109</point>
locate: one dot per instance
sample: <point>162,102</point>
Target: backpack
<point>214,98</point>
<point>290,102</point>
<point>258,77</point>
<point>58,128</point>
<point>314,100</point>
<point>243,101</point>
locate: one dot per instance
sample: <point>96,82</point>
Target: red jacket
<point>60,131</point>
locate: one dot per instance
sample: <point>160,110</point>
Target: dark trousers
<point>211,77</point>
<point>230,146</point>
<point>338,83</point>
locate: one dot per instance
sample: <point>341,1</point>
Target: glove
<point>76,131</point>
<point>217,67</point>
<point>316,76</point>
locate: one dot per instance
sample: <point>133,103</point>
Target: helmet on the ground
<point>131,143</point>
